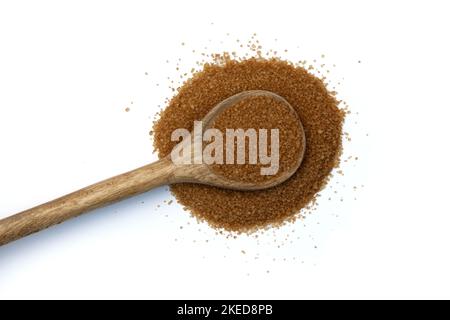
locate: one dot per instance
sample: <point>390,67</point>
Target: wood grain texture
<point>86,199</point>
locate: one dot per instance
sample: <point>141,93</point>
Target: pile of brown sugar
<point>268,113</point>
<point>322,123</point>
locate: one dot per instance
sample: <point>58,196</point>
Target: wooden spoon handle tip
<point>84,200</point>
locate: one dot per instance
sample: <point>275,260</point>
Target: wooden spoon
<point>161,172</point>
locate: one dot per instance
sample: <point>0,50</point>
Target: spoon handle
<point>86,199</point>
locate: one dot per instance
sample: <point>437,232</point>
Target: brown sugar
<point>261,112</point>
<point>322,123</point>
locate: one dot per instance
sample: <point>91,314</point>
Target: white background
<point>68,70</point>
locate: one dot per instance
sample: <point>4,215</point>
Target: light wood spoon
<point>140,180</point>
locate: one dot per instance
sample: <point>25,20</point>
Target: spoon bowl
<point>202,173</point>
